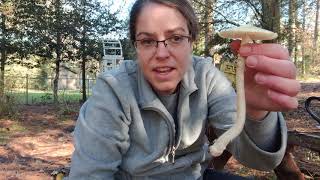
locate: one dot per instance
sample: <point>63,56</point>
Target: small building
<point>68,78</point>
<point>112,54</point>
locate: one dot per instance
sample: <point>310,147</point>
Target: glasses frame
<point>163,41</point>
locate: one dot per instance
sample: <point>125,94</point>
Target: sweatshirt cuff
<point>256,144</point>
<point>265,133</point>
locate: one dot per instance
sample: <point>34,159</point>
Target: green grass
<point>35,96</point>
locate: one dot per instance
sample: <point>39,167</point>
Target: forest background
<point>41,40</point>
<point>37,37</point>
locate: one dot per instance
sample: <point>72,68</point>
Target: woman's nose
<point>162,50</point>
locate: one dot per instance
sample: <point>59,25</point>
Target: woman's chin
<point>166,90</point>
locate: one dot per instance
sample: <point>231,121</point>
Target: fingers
<point>285,102</point>
<point>268,65</point>
<point>282,91</point>
<point>275,51</point>
<point>290,87</point>
<point>272,66</point>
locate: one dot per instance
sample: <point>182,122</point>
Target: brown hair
<point>183,6</point>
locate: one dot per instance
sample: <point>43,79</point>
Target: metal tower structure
<point>112,54</point>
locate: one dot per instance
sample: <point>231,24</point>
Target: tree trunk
<point>315,36</point>
<point>296,35</point>
<point>57,70</point>
<point>83,69</point>
<point>83,49</point>
<point>271,16</point>
<point>303,42</point>
<point>292,4</point>
<point>288,168</point>
<point>307,140</point>
<point>208,29</point>
<point>3,53</point>
<point>58,49</point>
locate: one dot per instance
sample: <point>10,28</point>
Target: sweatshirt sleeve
<point>100,137</point>
<point>261,145</point>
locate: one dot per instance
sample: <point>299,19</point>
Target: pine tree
<point>92,21</point>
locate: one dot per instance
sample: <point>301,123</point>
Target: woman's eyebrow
<point>178,29</point>
<point>170,31</point>
<point>145,33</point>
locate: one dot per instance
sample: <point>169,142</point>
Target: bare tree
<point>83,47</point>
<point>3,52</point>
<point>58,50</point>
<point>208,28</point>
<point>315,36</point>
<point>296,33</point>
<point>205,12</point>
<point>270,15</point>
<point>303,32</point>
<point>291,28</point>
<point>6,31</point>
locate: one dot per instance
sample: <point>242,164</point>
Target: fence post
<point>27,85</point>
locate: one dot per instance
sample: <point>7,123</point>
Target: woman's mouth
<point>163,72</point>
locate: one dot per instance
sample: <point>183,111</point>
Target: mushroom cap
<point>253,32</point>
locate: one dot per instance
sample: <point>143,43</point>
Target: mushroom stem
<point>221,143</point>
<point>247,33</point>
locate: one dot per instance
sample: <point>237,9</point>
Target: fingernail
<point>260,79</point>
<point>245,50</point>
<point>251,61</point>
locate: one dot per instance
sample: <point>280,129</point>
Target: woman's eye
<point>176,39</point>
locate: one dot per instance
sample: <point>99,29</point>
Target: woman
<point>147,119</point>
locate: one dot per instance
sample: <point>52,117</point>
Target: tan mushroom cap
<point>253,32</point>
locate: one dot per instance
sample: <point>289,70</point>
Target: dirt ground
<point>39,141</point>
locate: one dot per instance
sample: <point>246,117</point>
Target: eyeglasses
<point>173,42</point>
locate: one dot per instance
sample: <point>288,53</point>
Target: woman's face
<point>163,66</point>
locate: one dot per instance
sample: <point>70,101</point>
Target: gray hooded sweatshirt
<point>124,131</point>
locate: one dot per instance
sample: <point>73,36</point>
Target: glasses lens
<point>176,40</point>
<point>147,43</point>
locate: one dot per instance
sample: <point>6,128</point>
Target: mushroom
<point>247,34</point>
